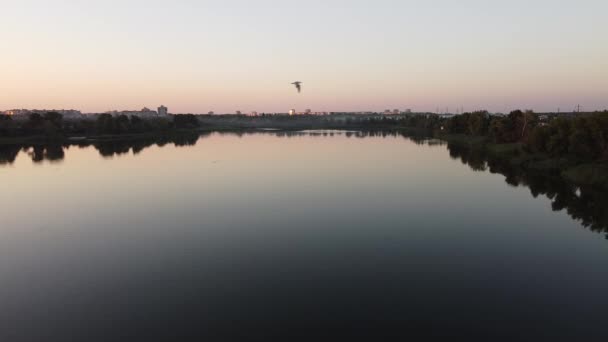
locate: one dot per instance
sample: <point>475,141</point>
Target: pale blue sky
<point>196,56</point>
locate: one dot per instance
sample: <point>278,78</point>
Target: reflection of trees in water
<point>118,147</point>
<point>585,204</point>
<point>56,152</point>
<point>421,139</point>
<point>475,158</point>
<point>52,152</point>
<point>38,153</point>
<point>111,148</point>
<point>9,153</point>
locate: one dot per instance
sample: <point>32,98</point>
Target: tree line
<point>582,138</point>
<point>53,125</point>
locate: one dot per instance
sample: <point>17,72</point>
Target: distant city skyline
<point>164,111</point>
<point>201,56</point>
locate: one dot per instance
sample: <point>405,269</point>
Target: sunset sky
<point>228,55</point>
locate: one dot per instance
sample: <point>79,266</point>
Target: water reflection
<point>115,148</point>
<point>583,203</point>
<point>299,235</point>
<point>54,152</point>
<point>422,139</point>
<point>8,153</point>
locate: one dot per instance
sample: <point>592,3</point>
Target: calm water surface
<point>302,235</point>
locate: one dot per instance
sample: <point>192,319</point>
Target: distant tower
<point>163,111</point>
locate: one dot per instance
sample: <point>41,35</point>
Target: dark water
<point>299,236</point>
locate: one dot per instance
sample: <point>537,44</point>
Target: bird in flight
<point>298,85</point>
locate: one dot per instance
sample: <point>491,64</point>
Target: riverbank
<point>42,139</point>
<point>569,168</point>
<point>92,138</point>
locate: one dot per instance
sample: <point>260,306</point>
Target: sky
<point>352,55</point>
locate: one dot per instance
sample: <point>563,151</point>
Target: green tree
<point>537,140</point>
<point>499,130</point>
<point>122,124</point>
<point>185,121</point>
<point>478,123</point>
<point>6,125</point>
<point>104,124</point>
<point>559,137</point>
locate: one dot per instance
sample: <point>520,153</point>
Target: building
<point>211,113</point>
<point>143,113</point>
<point>292,112</point>
<point>163,111</point>
<point>308,112</point>
<point>238,112</point>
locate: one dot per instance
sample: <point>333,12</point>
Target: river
<point>294,235</point>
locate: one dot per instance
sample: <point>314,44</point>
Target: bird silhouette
<point>298,85</point>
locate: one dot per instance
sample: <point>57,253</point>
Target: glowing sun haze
<point>197,56</point>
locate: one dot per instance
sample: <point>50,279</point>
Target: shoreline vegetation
<point>573,147</point>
